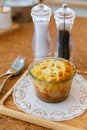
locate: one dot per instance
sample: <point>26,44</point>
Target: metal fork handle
<point>2,84</point>
<point>4,75</point>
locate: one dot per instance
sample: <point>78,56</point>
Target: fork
<point>15,69</point>
<point>16,65</point>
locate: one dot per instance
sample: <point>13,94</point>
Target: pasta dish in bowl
<point>52,78</point>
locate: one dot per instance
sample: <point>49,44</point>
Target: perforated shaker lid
<point>64,12</point>
<point>41,10</point>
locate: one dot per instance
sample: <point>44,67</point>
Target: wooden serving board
<point>8,108</point>
<point>13,28</point>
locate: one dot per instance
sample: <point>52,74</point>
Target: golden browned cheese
<point>52,70</point>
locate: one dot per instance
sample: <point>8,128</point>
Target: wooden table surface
<point>20,43</point>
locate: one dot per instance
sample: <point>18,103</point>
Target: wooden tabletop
<point>20,43</point>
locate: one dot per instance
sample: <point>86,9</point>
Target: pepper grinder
<point>64,18</point>
<point>41,44</point>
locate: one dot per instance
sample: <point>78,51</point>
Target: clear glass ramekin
<point>53,91</point>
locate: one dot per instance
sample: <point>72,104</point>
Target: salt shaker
<point>64,18</point>
<point>41,40</point>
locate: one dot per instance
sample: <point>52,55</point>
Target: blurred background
<point>21,8</point>
<point>79,6</point>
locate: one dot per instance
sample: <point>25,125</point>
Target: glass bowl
<point>48,86</point>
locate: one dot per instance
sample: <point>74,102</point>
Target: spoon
<point>15,69</point>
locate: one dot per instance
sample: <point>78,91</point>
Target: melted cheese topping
<point>52,70</point>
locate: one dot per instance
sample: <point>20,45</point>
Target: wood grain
<point>11,29</point>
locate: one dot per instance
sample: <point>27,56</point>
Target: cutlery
<point>15,69</point>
